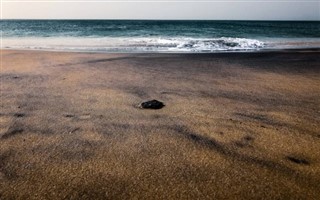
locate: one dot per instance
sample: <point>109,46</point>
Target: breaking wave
<point>203,45</point>
<point>134,44</point>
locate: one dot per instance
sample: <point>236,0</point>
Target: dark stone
<point>153,104</point>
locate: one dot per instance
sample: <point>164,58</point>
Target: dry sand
<point>235,126</point>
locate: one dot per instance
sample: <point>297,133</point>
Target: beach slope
<point>234,125</point>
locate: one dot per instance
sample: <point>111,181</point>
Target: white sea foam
<point>134,44</point>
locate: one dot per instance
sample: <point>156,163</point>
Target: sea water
<point>158,36</point>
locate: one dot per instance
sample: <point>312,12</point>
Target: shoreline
<point>286,50</point>
<point>234,125</point>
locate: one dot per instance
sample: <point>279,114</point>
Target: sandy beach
<point>234,125</point>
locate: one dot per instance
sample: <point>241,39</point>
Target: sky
<point>162,9</point>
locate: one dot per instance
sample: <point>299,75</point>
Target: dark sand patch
<point>296,160</point>
<point>19,115</point>
<point>12,132</point>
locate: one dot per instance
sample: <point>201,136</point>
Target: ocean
<point>158,36</point>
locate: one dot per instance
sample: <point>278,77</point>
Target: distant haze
<point>157,9</point>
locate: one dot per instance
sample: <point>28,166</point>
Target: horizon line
<point>315,20</point>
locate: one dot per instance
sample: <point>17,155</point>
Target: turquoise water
<point>158,36</point>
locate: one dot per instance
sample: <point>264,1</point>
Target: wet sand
<point>235,126</point>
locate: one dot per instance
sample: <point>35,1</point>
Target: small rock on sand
<point>153,104</point>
